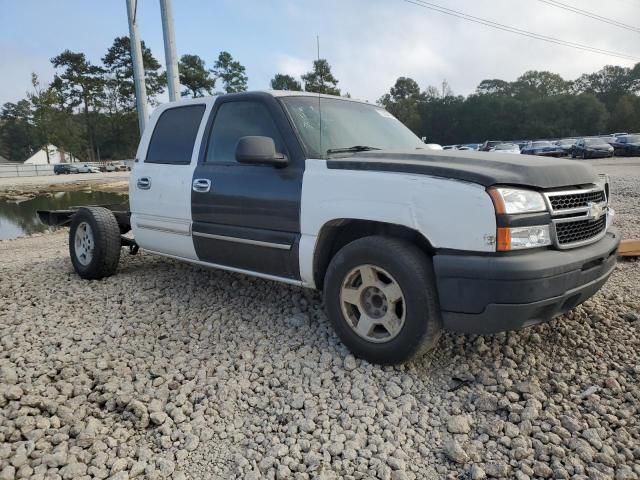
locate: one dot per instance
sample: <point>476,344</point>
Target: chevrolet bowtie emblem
<point>595,211</point>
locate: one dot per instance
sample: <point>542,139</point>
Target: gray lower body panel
<point>487,294</point>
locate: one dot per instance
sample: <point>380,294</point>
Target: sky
<point>369,43</point>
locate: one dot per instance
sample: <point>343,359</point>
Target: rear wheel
<point>381,297</point>
<point>94,243</point>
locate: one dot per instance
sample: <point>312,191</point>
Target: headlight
<point>515,200</point>
<point>516,238</point>
<point>604,183</point>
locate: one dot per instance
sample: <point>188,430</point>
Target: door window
<point>174,135</point>
<point>235,120</point>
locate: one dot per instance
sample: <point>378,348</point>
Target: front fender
<point>449,213</point>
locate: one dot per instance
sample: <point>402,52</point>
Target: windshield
<point>542,144</point>
<point>347,124</point>
<point>632,138</point>
<point>506,146</point>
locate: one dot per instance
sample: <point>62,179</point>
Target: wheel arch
<point>339,232</point>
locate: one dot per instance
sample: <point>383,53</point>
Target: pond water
<point>20,218</point>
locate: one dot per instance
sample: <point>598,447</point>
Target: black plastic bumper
<point>488,294</point>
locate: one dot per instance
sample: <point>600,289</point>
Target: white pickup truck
<point>335,194</point>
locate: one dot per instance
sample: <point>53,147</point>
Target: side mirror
<point>255,150</point>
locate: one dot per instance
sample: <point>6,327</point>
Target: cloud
<point>294,66</point>
<point>369,43</point>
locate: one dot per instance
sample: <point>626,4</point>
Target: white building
<point>55,156</point>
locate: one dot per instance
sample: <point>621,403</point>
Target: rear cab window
<point>174,135</point>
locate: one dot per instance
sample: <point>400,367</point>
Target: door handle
<point>201,185</point>
<point>144,183</point>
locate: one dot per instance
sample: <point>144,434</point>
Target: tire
<point>390,262</point>
<point>94,243</point>
<point>584,155</point>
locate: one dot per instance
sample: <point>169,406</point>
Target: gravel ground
<point>171,371</point>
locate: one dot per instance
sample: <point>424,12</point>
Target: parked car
<point>432,146</point>
<point>93,169</point>
<point>627,146</point>
<point>542,148</point>
<point>608,139</point>
<point>591,148</point>
<point>506,148</point>
<point>83,169</point>
<point>473,146</point>
<point>403,243</point>
<point>489,144</point>
<point>565,144</point>
<point>62,168</point>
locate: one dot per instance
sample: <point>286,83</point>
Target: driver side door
<point>247,217</point>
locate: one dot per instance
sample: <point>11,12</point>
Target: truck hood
<point>484,168</point>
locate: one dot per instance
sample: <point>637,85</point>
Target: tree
<point>285,82</point>
<point>80,84</point>
<point>231,72</point>
<point>118,132</point>
<point>626,114</point>
<point>119,67</point>
<point>609,84</point>
<point>43,100</point>
<point>494,86</point>
<point>540,84</point>
<point>404,88</point>
<point>195,77</point>
<point>17,132</point>
<point>403,102</point>
<point>320,79</point>
<point>446,89</point>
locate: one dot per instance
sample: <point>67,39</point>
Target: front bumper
<point>493,293</point>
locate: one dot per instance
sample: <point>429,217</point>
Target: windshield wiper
<point>355,148</point>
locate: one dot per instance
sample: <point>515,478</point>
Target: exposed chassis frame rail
<point>63,218</point>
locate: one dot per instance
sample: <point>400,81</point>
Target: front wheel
<point>381,298</point>
<point>94,243</point>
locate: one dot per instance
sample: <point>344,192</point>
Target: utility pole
<point>138,67</point>
<point>170,56</point>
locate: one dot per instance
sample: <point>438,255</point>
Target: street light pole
<point>138,66</point>
<point>171,58</point>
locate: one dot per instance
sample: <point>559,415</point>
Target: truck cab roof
<point>272,93</point>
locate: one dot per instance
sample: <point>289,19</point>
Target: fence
<point>22,170</point>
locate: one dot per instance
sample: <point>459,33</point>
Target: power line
<point>525,33</point>
<point>592,15</point>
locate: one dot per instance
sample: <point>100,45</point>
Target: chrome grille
<point>575,200</point>
<point>579,217</point>
<point>568,233</point>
